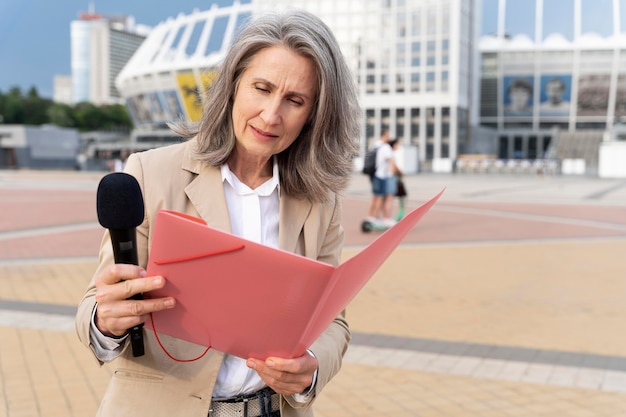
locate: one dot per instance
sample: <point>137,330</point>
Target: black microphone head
<point>119,201</point>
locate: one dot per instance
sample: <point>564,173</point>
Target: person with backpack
<point>384,183</point>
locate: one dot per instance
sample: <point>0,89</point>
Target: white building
<point>100,47</point>
<point>416,66</point>
<point>63,89</point>
<point>548,94</point>
<point>46,146</point>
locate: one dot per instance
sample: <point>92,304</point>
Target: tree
<point>17,108</point>
<point>35,108</point>
<point>61,115</point>
<point>14,110</point>
<point>88,117</point>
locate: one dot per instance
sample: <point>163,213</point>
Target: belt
<point>263,403</point>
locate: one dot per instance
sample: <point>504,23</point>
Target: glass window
<point>415,125</point>
<point>179,35</point>
<point>503,147</point>
<point>217,35</point>
<point>195,37</point>
<point>415,82</point>
<point>520,17</point>
<point>597,16</point>
<point>416,23</point>
<point>532,147</point>
<point>399,123</point>
<point>558,17</point>
<point>241,20</point>
<point>518,147</point>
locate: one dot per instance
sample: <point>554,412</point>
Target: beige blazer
<point>155,385</point>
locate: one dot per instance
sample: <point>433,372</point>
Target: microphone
<point>120,209</point>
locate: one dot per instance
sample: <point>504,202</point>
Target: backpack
<point>369,163</point>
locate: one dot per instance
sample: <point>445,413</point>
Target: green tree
<point>17,108</point>
<point>35,108</point>
<point>61,115</point>
<point>88,116</point>
<point>14,109</point>
<point>117,116</point>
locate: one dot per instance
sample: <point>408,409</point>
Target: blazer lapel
<point>206,192</point>
<point>293,214</point>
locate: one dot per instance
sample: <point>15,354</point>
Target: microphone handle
<point>125,252</point>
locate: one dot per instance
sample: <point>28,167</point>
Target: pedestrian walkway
<point>506,300</point>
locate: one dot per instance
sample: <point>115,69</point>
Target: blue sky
<point>35,34</point>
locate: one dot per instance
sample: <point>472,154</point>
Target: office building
<point>100,47</point>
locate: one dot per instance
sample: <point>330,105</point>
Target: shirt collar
<point>262,190</point>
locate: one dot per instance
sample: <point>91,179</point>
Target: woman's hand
<point>286,376</point>
<point>116,312</point>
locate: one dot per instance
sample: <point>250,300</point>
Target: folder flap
<point>178,237</point>
<point>352,275</point>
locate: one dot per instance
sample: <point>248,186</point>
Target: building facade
<point>415,63</point>
<point>100,47</point>
<point>548,95</point>
<point>47,146</point>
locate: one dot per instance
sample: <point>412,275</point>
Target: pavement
<point>507,299</point>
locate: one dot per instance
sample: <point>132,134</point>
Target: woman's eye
<point>262,89</point>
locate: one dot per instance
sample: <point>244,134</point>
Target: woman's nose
<point>271,112</point>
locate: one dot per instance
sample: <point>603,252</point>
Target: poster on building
<point>139,109</point>
<point>556,90</point>
<point>159,115</point>
<point>192,93</point>
<point>518,95</point>
<point>593,94</point>
<point>172,105</point>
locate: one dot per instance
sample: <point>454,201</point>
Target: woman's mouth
<point>261,134</point>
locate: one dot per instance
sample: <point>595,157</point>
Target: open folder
<point>251,300</point>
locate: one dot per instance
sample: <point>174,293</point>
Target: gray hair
<point>320,159</point>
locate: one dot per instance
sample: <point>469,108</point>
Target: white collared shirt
<point>253,216</point>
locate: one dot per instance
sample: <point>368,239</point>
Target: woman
<point>266,162</point>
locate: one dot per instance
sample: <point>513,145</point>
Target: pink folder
<point>250,300</point>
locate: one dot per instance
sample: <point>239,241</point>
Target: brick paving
<point>506,300</point>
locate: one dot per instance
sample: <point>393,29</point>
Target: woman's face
<point>273,101</point>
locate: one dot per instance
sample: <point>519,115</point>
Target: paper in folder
<point>251,300</point>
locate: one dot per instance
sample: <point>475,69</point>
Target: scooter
<point>368,226</point>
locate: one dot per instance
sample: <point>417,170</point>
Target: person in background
<point>383,183</point>
<point>267,162</point>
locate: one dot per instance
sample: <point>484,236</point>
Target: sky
<point>35,34</point>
